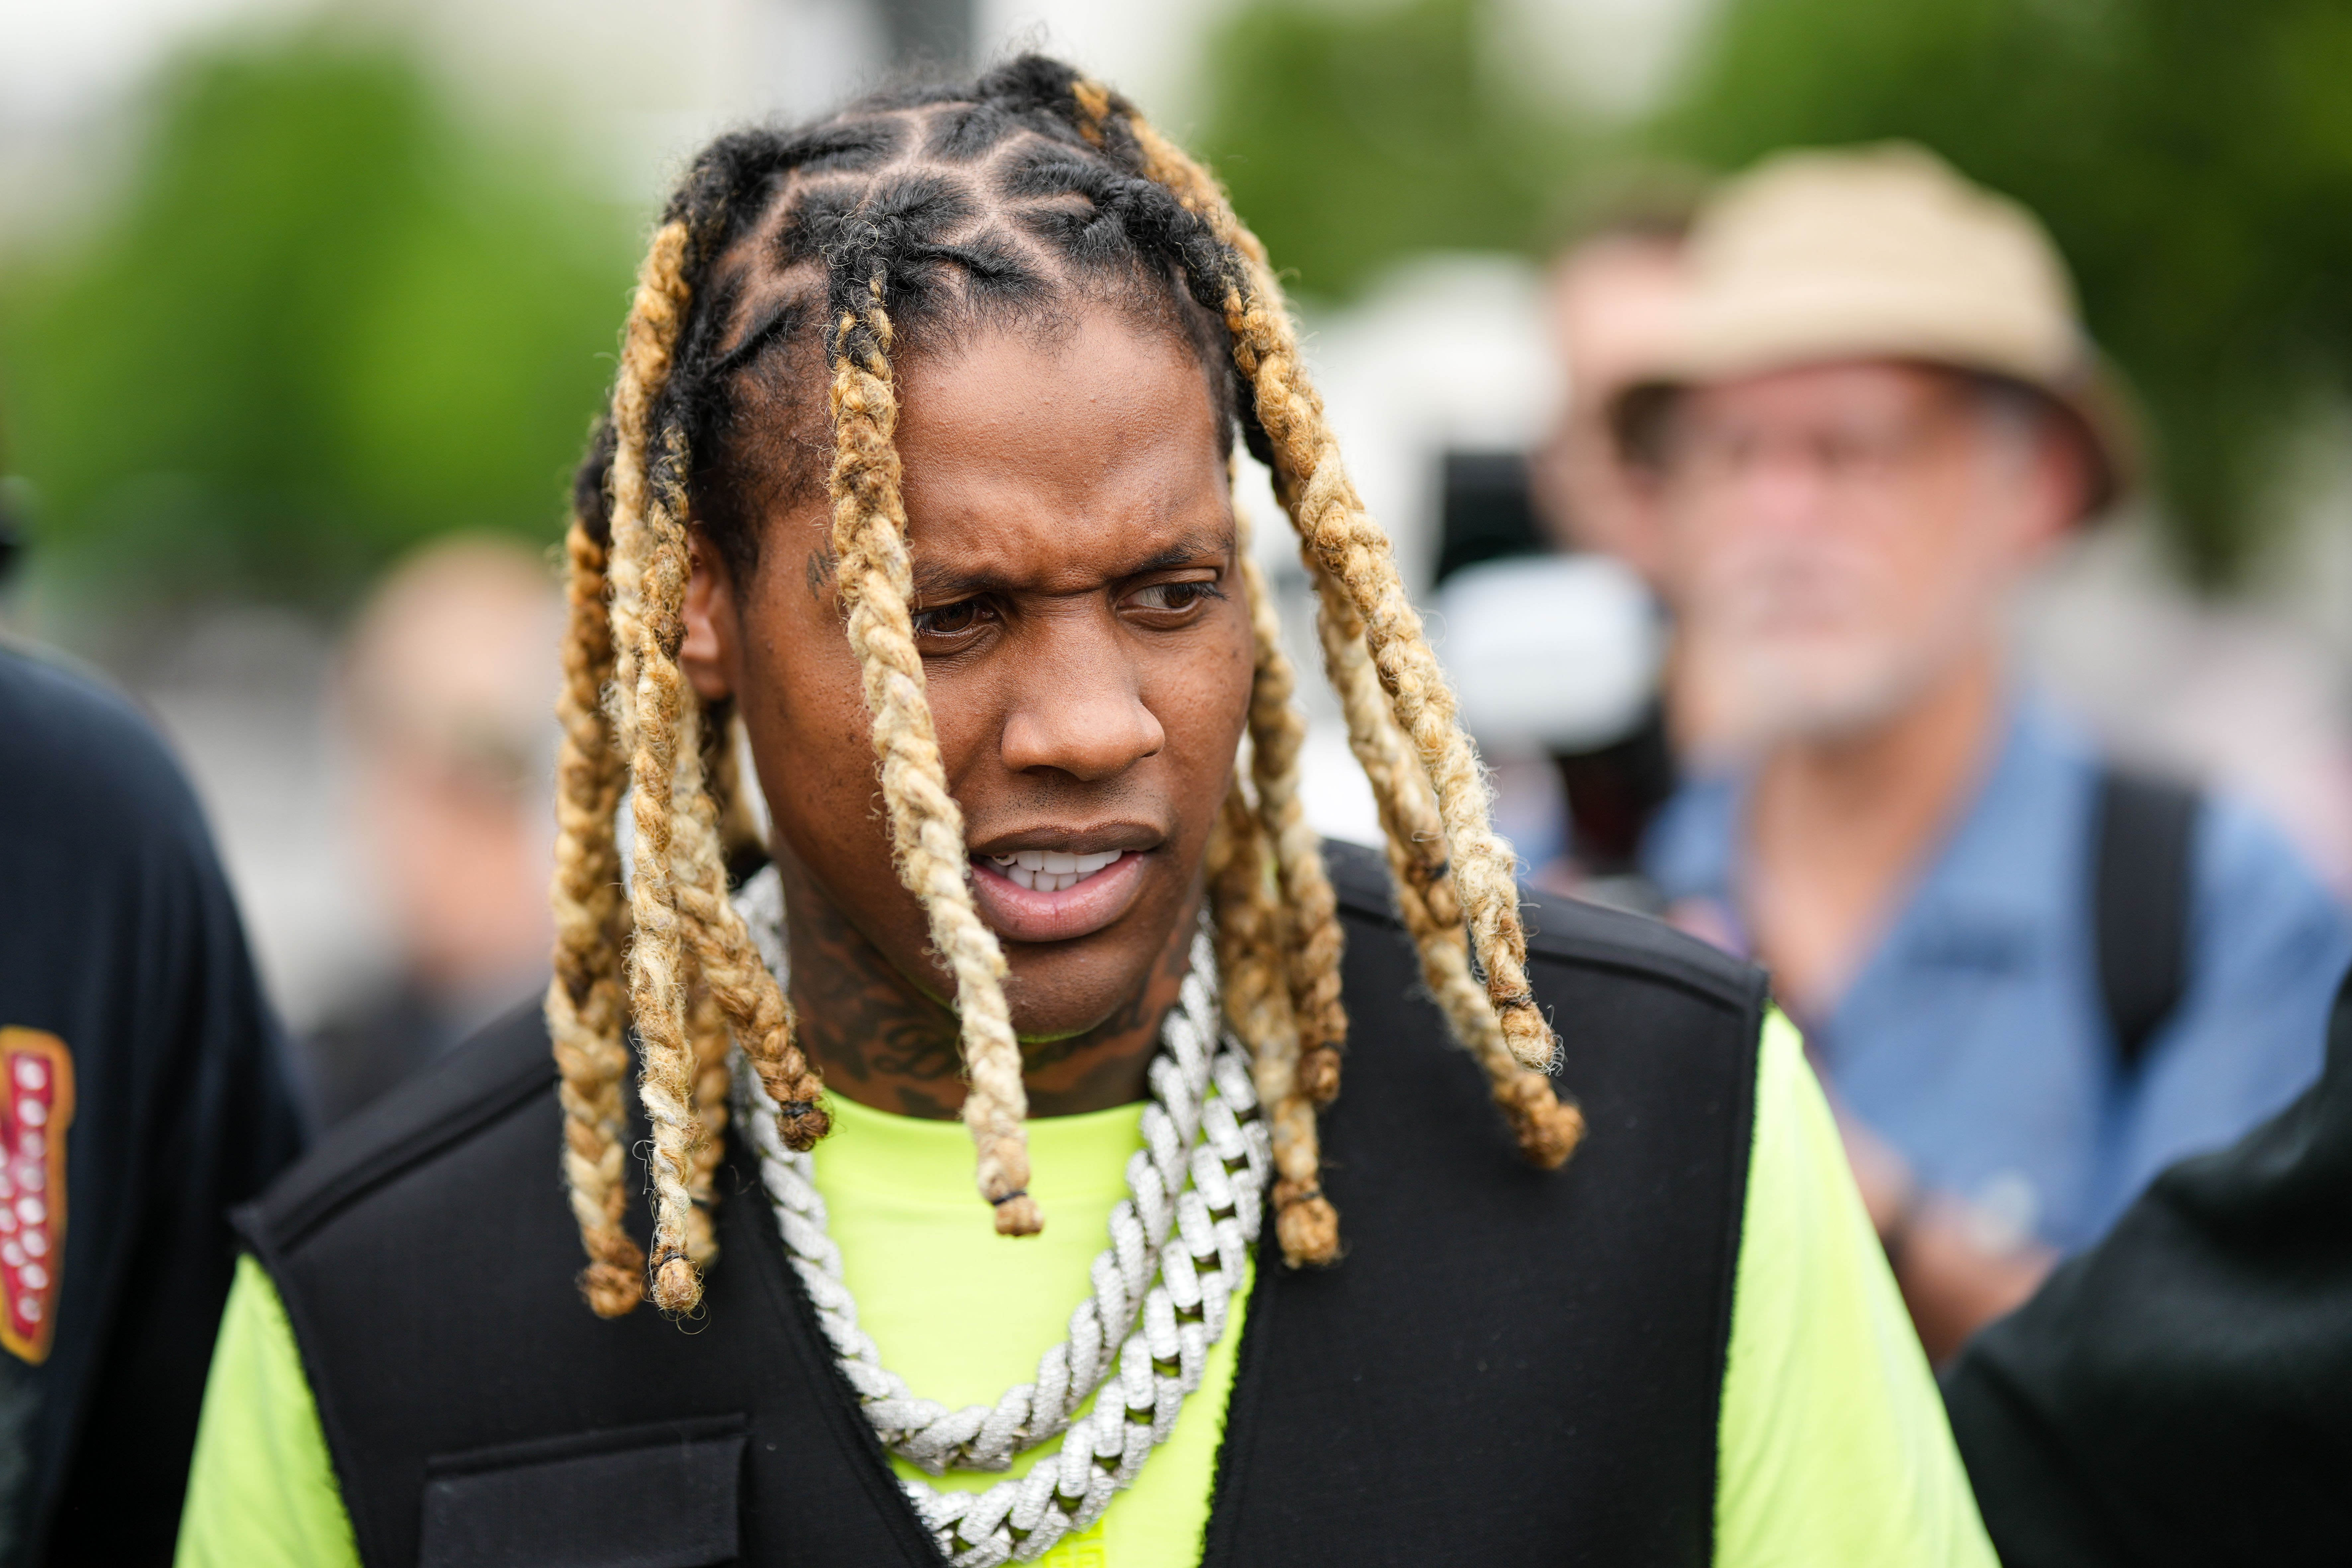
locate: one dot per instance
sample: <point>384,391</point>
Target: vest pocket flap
<point>663,1496</point>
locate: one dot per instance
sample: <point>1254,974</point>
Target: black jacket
<point>2183,1392</point>
<point>1535,1359</point>
<point>119,939</point>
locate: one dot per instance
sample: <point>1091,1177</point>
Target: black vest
<point>1506,1366</point>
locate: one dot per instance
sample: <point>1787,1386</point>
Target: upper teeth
<point>1051,870</point>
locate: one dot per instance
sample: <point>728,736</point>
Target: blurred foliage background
<point>2193,157</point>
<point>326,315</point>
<point>1354,137</point>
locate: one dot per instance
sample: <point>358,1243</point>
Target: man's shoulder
<point>2246,862</point>
<point>1687,848</point>
<point>1572,933</point>
<point>485,1089</point>
<point>61,699</point>
<point>84,759</point>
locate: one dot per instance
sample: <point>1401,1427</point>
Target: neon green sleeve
<point>1834,1448</point>
<point>262,1492</point>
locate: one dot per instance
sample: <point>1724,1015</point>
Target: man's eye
<point>1173,596</point>
<point>950,620</point>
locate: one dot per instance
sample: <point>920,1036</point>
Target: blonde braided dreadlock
<point>585,1014</point>
<point>1390,687</point>
<point>882,203</point>
<point>685,942</point>
<point>1299,1025</point>
<point>869,540</point>
<point>1548,1130</point>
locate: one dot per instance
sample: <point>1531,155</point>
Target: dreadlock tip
<point>1532,1044</point>
<point>1308,1228</point>
<point>1549,1129</point>
<point>801,1123</point>
<point>677,1287</point>
<point>1019,1215</point>
<point>611,1292</point>
<point>1318,1075</point>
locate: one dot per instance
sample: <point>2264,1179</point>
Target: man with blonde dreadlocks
<point>917,477</point>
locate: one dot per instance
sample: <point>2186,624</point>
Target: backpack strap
<point>2140,897</point>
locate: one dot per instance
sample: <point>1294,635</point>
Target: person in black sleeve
<point>143,1091</point>
<point>2183,1392</point>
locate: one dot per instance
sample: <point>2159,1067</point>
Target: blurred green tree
<point>326,317</point>
<point>2193,157</point>
<point>1353,136</point>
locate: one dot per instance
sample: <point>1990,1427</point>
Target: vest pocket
<point>660,1496</point>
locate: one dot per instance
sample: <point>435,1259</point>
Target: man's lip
<point>1129,838</point>
<point>1023,914</point>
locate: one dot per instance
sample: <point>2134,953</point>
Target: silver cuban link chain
<point>1203,1121</point>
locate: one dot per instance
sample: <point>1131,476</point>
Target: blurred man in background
<point>1559,656</point>
<point>143,1091</point>
<point>442,705</point>
<point>2175,1395</point>
<point>1612,294</point>
<point>2033,981</point>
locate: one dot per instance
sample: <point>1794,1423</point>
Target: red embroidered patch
<point>36,1104</point>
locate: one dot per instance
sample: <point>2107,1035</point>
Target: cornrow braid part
<point>585,1010</point>
<point>1110,120</point>
<point>1330,518</point>
<point>1547,1127</point>
<point>869,542</point>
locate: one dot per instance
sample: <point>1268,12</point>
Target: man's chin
<point>1068,1022</point>
<point>1770,697</point>
<point>1061,992</point>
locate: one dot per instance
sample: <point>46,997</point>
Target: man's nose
<point>1784,489</point>
<point>1082,714</point>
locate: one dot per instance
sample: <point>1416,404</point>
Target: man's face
<point>1087,652</point>
<point>1837,537</point>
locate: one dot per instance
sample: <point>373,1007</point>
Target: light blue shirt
<point>1974,1039</point>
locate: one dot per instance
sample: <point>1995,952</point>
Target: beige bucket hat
<point>1883,252</point>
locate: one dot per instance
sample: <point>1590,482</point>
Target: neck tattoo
<point>887,1042</point>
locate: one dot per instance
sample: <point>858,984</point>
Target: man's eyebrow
<point>937,584</point>
<point>1185,552</point>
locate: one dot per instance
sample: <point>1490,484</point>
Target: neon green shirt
<point>1834,1445</point>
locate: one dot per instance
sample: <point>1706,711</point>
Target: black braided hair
<point>955,206</point>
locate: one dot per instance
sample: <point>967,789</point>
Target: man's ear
<point>2057,486</point>
<point>710,652</point>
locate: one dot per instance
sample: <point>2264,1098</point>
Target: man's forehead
<point>1060,555</point>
